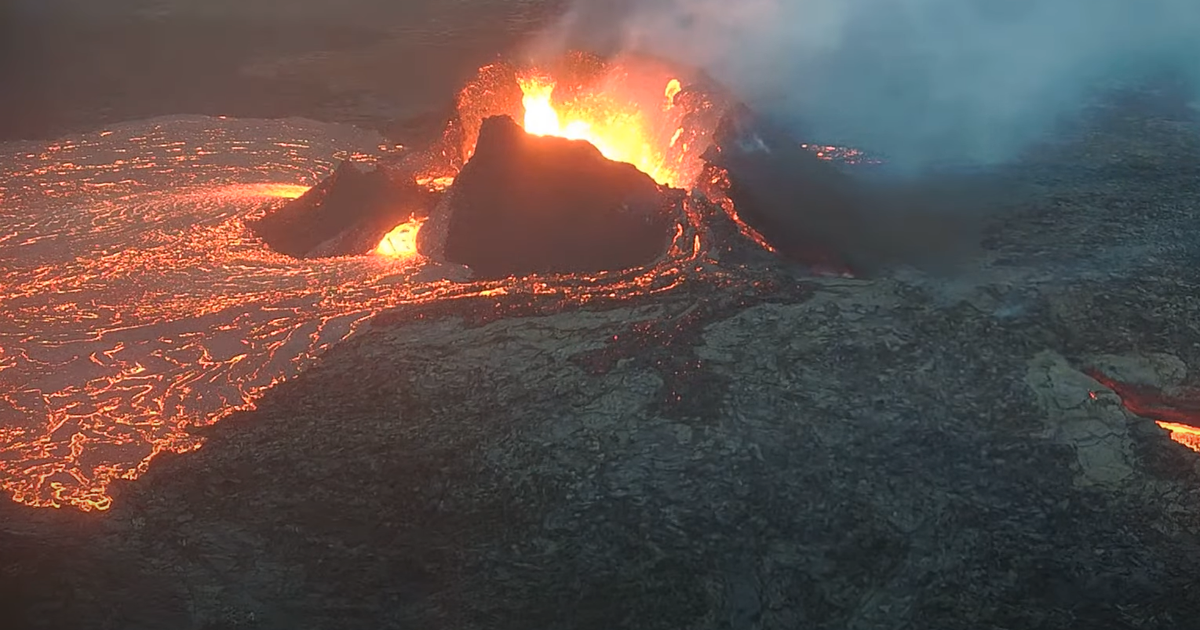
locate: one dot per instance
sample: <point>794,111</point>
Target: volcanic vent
<point>139,306</point>
<point>579,168</point>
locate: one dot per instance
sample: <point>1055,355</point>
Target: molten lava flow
<point>401,242</point>
<point>138,305</point>
<point>844,155</point>
<point>1178,415</point>
<point>715,186</point>
<point>620,130</point>
<point>277,191</point>
<point>435,183</point>
<point>1186,435</point>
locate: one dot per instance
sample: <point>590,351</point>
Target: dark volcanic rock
<point>346,214</point>
<point>798,202</point>
<point>896,452</point>
<point>811,211</point>
<point>528,204</point>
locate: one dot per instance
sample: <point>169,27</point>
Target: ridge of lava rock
<point>802,206</point>
<point>531,204</point>
<point>812,212</point>
<point>344,215</point>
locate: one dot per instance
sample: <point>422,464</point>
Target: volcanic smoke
<point>924,82</point>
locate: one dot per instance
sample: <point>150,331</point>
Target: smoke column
<point>922,81</point>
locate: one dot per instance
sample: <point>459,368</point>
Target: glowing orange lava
<point>1186,435</point>
<point>401,242</point>
<point>277,191</point>
<point>674,87</point>
<point>1180,415</point>
<point>435,183</point>
<point>620,130</point>
<point>137,304</point>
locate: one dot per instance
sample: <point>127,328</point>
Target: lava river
<point>137,304</point>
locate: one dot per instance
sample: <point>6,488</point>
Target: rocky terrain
<point>900,451</point>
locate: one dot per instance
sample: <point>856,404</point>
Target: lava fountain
<point>620,133</point>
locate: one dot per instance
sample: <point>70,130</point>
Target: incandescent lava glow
<point>619,128</point>
<point>276,191</point>
<point>401,242</point>
<point>1178,414</point>
<point>435,183</point>
<point>1186,435</point>
<point>673,90</point>
<point>541,119</point>
<point>136,305</point>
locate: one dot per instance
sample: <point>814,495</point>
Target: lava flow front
<point>137,303</point>
<point>1179,415</point>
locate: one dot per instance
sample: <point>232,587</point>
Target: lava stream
<point>137,304</point>
<point>1179,415</point>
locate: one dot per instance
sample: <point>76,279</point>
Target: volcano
<point>579,168</point>
<point>638,403</point>
<point>582,182</point>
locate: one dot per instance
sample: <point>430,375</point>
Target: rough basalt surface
<point>905,451</point>
<point>813,212</point>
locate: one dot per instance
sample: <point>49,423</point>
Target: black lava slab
<point>528,204</point>
<point>346,214</point>
<point>813,212</point>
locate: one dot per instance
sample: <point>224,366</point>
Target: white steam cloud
<point>923,81</point>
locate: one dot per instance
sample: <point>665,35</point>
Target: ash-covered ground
<point>901,451</point>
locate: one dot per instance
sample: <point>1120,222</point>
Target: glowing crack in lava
<point>137,304</point>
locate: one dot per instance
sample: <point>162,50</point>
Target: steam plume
<point>924,81</point>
